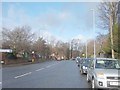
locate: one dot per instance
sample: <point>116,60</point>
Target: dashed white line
<point>39,69</point>
<point>23,75</point>
<point>48,66</point>
<point>0,82</point>
<point>51,65</point>
<point>31,72</point>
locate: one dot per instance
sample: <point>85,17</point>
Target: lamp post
<point>71,46</point>
<point>86,48</point>
<point>93,11</point>
<point>119,26</point>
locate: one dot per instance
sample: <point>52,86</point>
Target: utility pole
<point>119,27</point>
<point>94,31</point>
<point>111,36</point>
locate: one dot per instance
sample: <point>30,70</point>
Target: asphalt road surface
<point>51,74</point>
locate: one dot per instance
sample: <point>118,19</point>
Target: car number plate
<point>114,83</point>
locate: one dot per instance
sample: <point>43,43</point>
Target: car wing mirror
<point>92,67</point>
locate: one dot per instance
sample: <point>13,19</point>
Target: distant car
<point>77,60</point>
<point>2,61</point>
<point>58,59</point>
<point>84,65</point>
<point>80,61</point>
<point>104,73</point>
<point>73,58</point>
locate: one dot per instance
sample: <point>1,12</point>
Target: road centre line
<point>22,75</point>
<point>35,70</point>
<point>44,68</point>
<point>39,69</point>
<point>48,66</point>
<point>51,65</point>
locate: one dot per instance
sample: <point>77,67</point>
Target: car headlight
<point>100,75</point>
<point>84,67</point>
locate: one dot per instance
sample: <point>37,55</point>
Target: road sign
<point>5,50</point>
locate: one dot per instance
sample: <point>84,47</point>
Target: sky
<point>53,20</point>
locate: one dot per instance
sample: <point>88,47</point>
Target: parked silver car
<point>84,65</point>
<point>104,73</point>
<point>78,61</point>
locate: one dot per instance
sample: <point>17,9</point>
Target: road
<point>51,74</point>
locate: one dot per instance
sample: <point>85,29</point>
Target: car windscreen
<point>78,59</point>
<point>107,64</point>
<point>85,62</point>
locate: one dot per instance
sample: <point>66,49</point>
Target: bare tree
<point>41,48</point>
<point>107,9</point>
<point>77,47</point>
<point>108,16</point>
<point>19,38</point>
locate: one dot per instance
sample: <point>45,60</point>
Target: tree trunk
<point>111,36</point>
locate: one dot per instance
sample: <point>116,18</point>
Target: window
<point>107,64</point>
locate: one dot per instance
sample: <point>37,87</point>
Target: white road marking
<point>23,75</point>
<point>39,69</point>
<point>0,82</point>
<point>51,65</point>
<point>48,66</point>
<point>31,72</point>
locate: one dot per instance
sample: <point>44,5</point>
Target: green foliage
<point>67,53</point>
<point>116,43</point>
<point>11,55</point>
<point>107,46</point>
<point>116,40</point>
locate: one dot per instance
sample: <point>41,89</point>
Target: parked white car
<point>104,73</point>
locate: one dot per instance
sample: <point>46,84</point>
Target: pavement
<point>52,74</point>
<point>24,63</point>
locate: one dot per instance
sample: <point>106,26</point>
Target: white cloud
<point>64,15</point>
<point>42,23</point>
<point>53,18</point>
<point>82,38</point>
<point>11,12</point>
<point>49,37</point>
<point>15,17</point>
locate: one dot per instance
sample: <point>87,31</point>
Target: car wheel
<point>88,78</point>
<point>81,71</point>
<point>93,84</point>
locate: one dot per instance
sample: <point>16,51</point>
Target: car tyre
<point>93,84</point>
<point>88,78</point>
<point>81,71</point>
